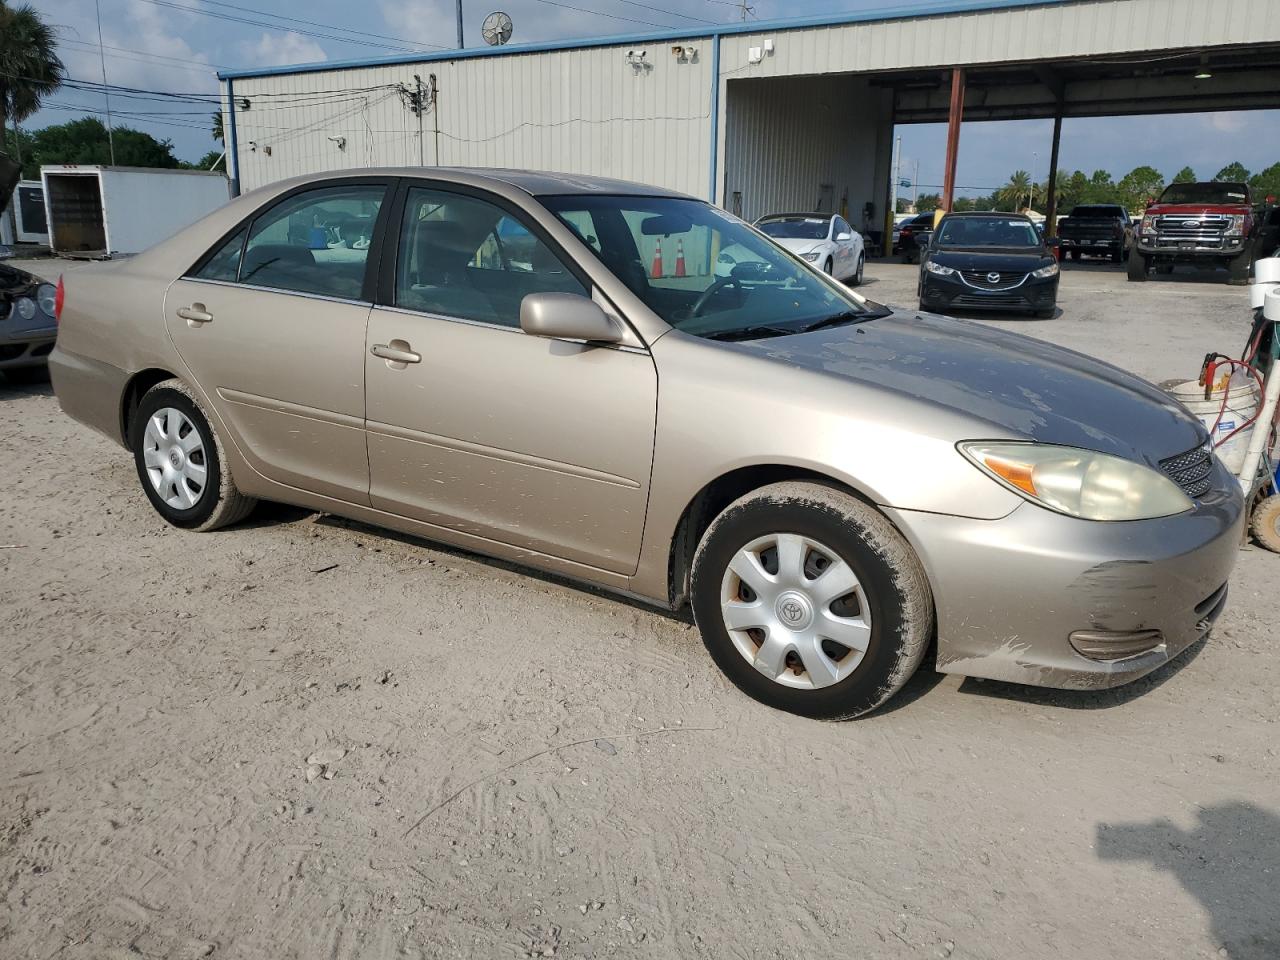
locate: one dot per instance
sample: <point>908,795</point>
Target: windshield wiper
<point>848,316</point>
<point>751,333</point>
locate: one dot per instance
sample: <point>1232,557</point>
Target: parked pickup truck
<point>1205,224</point>
<point>1103,229</point>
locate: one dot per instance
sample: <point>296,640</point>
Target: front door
<point>476,426</point>
<point>272,327</point>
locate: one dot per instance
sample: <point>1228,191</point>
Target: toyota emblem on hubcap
<point>993,277</point>
<point>792,612</point>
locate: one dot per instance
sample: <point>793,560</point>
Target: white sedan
<point>821,238</point>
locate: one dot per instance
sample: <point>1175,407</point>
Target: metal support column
<point>953,137</point>
<point>1051,200</point>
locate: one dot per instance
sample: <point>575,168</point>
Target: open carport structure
<point>760,117</point>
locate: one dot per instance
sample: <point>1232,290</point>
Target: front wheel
<point>810,601</point>
<point>180,461</point>
<point>826,267</point>
<point>1239,268</point>
<point>1139,265</point>
<point>1266,523</point>
<point>857,273</point>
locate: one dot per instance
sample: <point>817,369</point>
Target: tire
<point>822,530</point>
<point>1139,266</point>
<point>857,273</point>
<point>192,499</point>
<point>1117,256</point>
<point>1239,268</point>
<point>1266,523</point>
<point>826,267</point>
<point>1046,314</point>
<point>1164,269</point>
<point>1074,254</point>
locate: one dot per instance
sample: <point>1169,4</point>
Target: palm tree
<point>1019,186</point>
<point>216,128</point>
<point>29,66</point>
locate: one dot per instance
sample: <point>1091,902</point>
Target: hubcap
<point>795,611</point>
<point>174,456</point>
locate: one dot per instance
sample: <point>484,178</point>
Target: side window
<point>842,226</point>
<point>315,242</point>
<point>225,264</point>
<point>465,257</point>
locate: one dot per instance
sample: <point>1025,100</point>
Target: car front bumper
<point>25,343</point>
<point>1033,294</point>
<point>1088,245</point>
<point>1163,246</point>
<point>1017,597</point>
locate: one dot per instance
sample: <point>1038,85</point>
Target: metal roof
<point>933,8</point>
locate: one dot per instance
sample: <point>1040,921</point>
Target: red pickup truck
<point>1206,224</point>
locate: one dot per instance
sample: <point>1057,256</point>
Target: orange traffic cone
<point>680,258</point>
<point>656,272</point>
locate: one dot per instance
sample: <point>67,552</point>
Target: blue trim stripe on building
<point>715,116</point>
<point>932,9</point>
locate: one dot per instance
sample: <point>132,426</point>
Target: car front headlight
<point>1235,225</point>
<point>811,257</point>
<point>1050,270</point>
<point>1079,483</point>
<point>938,268</point>
<point>47,298</point>
<point>24,307</point>
<point>1148,225</point>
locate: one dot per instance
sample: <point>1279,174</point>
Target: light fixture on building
<point>1204,73</point>
<point>340,141</point>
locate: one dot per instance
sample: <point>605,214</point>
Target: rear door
<point>271,325</point>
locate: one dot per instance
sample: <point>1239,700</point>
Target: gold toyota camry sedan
<point>562,371</point>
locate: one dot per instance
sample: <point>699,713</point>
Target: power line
<point>178,64</point>
<point>323,26</point>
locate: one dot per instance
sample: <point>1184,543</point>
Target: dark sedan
<point>27,325</point>
<point>988,261</point>
<point>913,236</point>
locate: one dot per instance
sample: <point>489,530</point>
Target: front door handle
<point>195,314</point>
<point>396,353</point>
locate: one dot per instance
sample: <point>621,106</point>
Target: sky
<point>168,45</point>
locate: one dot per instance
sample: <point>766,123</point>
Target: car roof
<point>534,182</point>
<point>791,216</point>
<point>988,213</point>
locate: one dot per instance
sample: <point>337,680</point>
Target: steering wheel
<point>721,283</point>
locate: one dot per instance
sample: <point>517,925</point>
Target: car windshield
<point>795,228</point>
<point>987,232</point>
<point>1100,212</point>
<point>705,272</point>
<point>1205,193</point>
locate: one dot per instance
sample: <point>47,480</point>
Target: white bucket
<point>1241,406</point>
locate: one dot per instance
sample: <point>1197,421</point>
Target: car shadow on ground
<point>14,390</point>
<point>1179,274</point>
<point>1227,861</point>
<point>1085,699</point>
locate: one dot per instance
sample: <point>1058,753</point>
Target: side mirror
<point>841,237</point>
<point>567,316</point>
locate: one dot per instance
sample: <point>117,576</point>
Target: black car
<point>27,324</point>
<point>913,236</point>
<point>989,261</point>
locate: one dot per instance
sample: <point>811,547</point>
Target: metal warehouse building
<point>759,117</point>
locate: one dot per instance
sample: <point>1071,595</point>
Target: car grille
<point>1210,227</point>
<point>1191,470</point>
<point>982,279</point>
<point>988,299</point>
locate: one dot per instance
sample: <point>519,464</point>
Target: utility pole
<point>435,112</point>
<point>417,108</point>
<point>915,188</point>
<point>460,43</point>
<point>744,10</point>
<point>102,56</point>
<point>896,175</point>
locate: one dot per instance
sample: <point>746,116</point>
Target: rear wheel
<point>1139,265</point>
<point>810,601</point>
<point>180,461</point>
<point>1266,523</point>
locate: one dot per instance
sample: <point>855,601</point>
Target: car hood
<point>1020,387</point>
<point>14,282</point>
<point>797,245</point>
<point>990,258</point>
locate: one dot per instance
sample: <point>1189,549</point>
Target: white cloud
<point>1228,122</point>
<point>278,50</point>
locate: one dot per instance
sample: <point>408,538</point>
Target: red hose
<point>1226,394</point>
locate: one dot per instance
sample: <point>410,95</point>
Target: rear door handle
<point>195,314</point>
<point>397,351</point>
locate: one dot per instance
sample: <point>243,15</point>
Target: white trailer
<point>97,211</point>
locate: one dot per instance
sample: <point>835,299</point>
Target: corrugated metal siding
<point>584,111</point>
<point>785,139</point>
<point>1087,28</point>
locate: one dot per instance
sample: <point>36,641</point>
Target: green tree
<point>1266,183</point>
<point>85,141</point>
<point>206,162</point>
<point>216,127</point>
<point>29,66</point>
<point>1233,172</point>
<point>1101,188</point>
<point>1072,189</point>
<point>928,201</point>
<point>1017,191</point>
<point>1185,175</point>
<point>1136,186</point>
